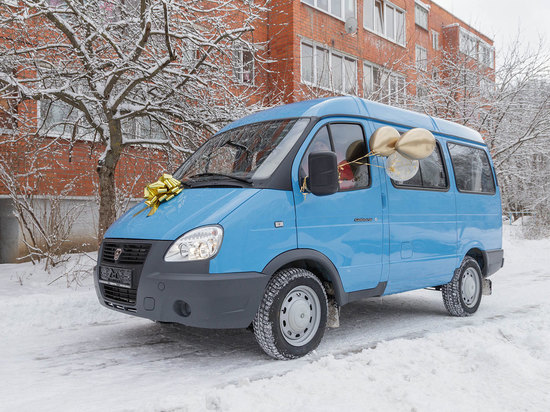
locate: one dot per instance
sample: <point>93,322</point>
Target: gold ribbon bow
<point>162,190</point>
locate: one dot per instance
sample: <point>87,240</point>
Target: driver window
<point>320,143</point>
<point>348,142</point>
<point>350,149</point>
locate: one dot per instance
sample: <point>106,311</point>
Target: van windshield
<point>246,153</point>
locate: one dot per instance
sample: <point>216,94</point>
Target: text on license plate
<point>115,276</point>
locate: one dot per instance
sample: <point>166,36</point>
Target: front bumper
<point>185,292</point>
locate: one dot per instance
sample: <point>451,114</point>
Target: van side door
<point>422,223</point>
<point>346,226</point>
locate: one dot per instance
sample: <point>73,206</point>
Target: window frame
<point>435,40</point>
<point>480,48</point>
<point>423,49</point>
<point>396,10</point>
<point>439,147</point>
<point>389,76</point>
<point>330,52</point>
<point>343,17</point>
<point>327,124</point>
<point>239,66</point>
<point>423,8</point>
<point>493,174</point>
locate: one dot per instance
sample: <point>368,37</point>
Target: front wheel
<point>462,295</point>
<point>292,316</point>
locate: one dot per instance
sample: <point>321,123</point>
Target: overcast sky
<point>501,19</point>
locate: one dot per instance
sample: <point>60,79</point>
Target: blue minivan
<point>285,216</point>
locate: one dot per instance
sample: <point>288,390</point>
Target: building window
<point>435,40</point>
<point>350,76</point>
<point>307,64</point>
<point>421,92</point>
<point>421,58</point>
<point>486,55</point>
<point>383,85</point>
<point>385,19</point>
<point>8,101</point>
<point>142,128</point>
<point>474,47</point>
<point>59,119</point>
<point>421,15</point>
<point>486,86</point>
<point>189,54</point>
<point>243,66</point>
<point>468,44</point>
<point>342,9</point>
<point>328,70</point>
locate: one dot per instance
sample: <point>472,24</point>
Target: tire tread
<point>263,327</point>
<point>451,291</point>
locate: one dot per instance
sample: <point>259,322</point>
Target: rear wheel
<point>462,295</point>
<point>292,316</point>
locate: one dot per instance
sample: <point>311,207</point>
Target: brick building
<point>316,53</point>
<point>369,48</point>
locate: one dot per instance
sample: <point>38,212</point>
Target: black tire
<point>462,295</point>
<point>294,303</point>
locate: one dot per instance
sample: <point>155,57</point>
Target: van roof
<point>355,106</point>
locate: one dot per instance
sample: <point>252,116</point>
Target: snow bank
<point>33,299</point>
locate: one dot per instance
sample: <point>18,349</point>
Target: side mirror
<point>323,173</point>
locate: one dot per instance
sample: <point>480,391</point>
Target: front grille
<point>118,294</point>
<point>132,253</point>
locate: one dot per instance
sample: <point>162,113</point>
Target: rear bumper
<point>185,293</point>
<point>494,260</point>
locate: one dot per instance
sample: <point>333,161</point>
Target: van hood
<point>190,209</point>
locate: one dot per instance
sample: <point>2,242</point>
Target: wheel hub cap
<point>470,287</point>
<point>299,316</point>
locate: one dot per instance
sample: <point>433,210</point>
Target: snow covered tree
<point>510,107</point>
<point>130,72</point>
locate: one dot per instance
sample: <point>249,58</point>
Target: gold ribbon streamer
<point>163,190</point>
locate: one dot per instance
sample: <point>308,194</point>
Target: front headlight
<point>197,244</point>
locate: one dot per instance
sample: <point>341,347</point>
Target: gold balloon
<point>416,144</point>
<point>383,140</point>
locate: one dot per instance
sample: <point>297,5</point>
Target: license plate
<point>115,276</point>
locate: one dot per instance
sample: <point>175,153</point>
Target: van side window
<point>472,169</point>
<point>348,142</point>
<point>431,173</point>
<point>349,146</point>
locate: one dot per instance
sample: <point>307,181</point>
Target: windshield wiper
<point>240,179</point>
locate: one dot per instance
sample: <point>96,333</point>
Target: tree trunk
<point>106,172</point>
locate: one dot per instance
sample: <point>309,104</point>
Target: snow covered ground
<point>60,350</point>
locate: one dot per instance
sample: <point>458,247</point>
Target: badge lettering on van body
<point>363,219</point>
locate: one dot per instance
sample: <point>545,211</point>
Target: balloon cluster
<point>403,151</point>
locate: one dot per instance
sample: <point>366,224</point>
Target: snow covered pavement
<point>60,350</point>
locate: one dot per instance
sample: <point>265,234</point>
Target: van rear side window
<point>431,174</point>
<point>472,170</point>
